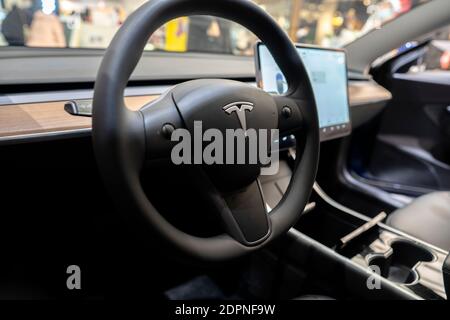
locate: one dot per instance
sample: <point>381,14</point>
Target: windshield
<point>92,24</point>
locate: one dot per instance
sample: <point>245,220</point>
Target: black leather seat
<point>426,218</point>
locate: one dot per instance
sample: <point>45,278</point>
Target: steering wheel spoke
<point>243,212</point>
<point>246,217</point>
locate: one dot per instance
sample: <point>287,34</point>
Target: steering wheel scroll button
<point>167,130</point>
<point>286,112</point>
<point>290,117</point>
<point>161,118</point>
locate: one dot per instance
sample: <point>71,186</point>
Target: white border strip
<point>52,96</point>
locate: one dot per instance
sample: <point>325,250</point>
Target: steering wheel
<point>125,140</point>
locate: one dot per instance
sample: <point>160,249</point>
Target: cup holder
<point>399,264</point>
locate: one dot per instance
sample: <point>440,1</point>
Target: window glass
<point>93,23</point>
<point>437,56</point>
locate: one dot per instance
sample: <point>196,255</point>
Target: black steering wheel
<point>124,140</point>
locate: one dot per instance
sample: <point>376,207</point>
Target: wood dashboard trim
<point>26,121</point>
<point>49,117</point>
<point>366,92</point>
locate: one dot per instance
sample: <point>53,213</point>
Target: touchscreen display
<point>327,70</point>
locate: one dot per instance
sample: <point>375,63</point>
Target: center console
<point>338,245</point>
<point>354,253</point>
<point>407,263</point>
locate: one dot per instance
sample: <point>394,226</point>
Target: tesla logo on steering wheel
<point>239,108</point>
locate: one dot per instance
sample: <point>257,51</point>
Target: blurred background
<point>92,24</point>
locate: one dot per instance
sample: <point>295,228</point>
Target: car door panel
<point>411,153</point>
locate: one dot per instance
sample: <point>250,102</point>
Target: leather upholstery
<point>426,218</point>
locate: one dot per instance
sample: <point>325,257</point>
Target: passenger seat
<point>426,218</point>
